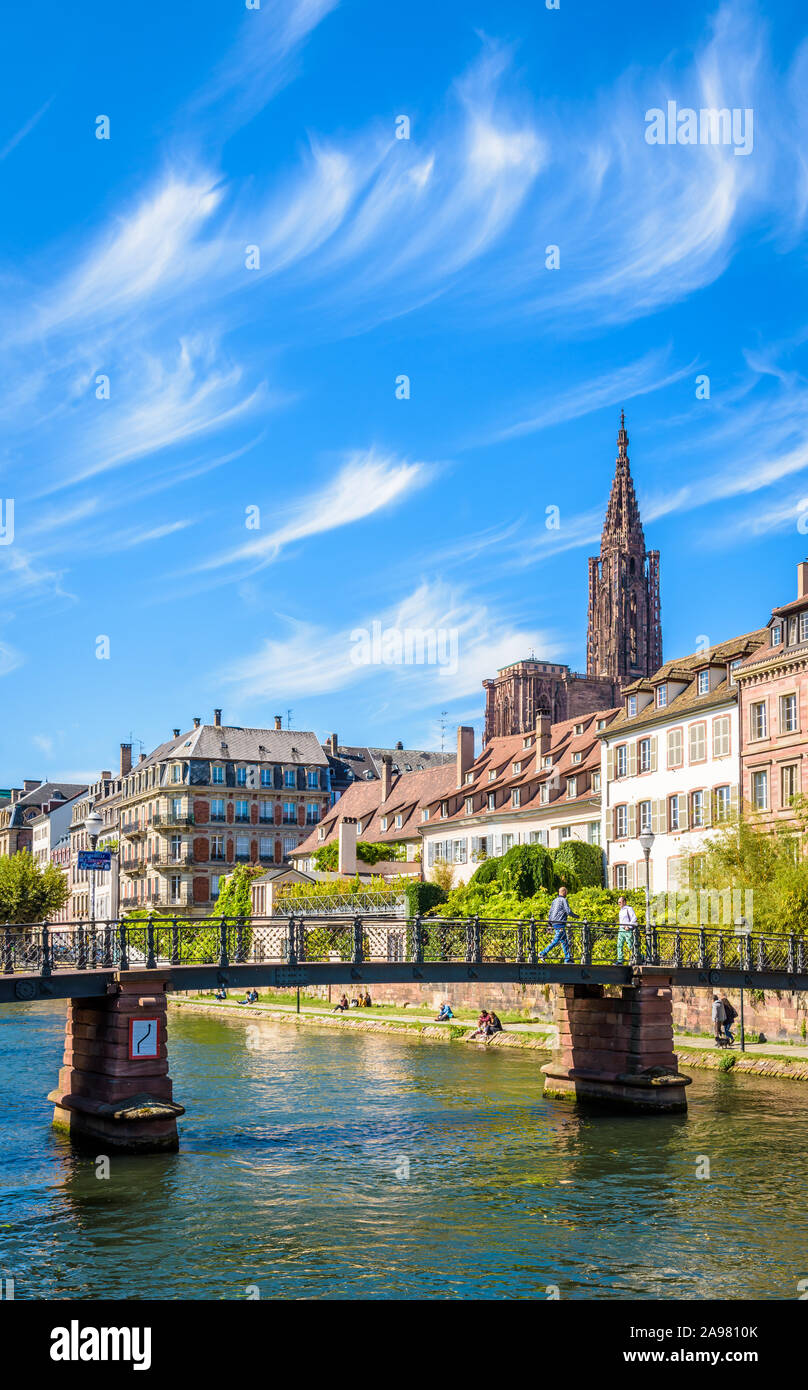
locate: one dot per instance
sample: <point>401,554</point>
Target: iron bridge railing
<point>43,949</point>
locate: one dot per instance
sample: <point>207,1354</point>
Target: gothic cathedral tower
<point>624,635</point>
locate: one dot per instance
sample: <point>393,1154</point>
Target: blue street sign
<point>94,859</point>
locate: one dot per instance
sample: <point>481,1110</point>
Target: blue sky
<point>274,387</point>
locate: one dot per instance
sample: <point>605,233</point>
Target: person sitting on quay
<point>445,1013</point>
<point>365,1000</point>
<point>220,994</point>
<point>251,997</point>
<point>342,1005</point>
<point>481,1031</point>
<point>627,920</point>
<point>560,910</point>
<point>494,1025</point>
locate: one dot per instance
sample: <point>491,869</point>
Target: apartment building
<point>60,858</point>
<point>103,797</point>
<point>49,827</point>
<point>670,764</point>
<point>24,805</point>
<point>213,797</point>
<point>773,701</point>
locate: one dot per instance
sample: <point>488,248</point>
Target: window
<point>516,796</point>
<point>697,741</point>
<point>312,812</point>
<point>517,767</point>
<point>601,724</point>
<point>399,822</point>
<point>492,801</point>
<point>723,803</point>
<point>290,815</point>
<point>289,778</point>
<point>733,666</point>
<point>621,876</point>
<point>644,751</point>
<point>544,792</point>
<point>527,742</point>
<point>572,786</point>
<point>289,843</point>
<point>593,832</point>
<point>216,808</point>
<point>537,837</point>
<point>789,783</point>
<point>469,777</point>
<point>214,885</point>
<point>242,810</point>
<point>804,626</point>
<point>242,848</point>
<point>675,754</point>
<point>760,790</point>
<point>576,757</point>
<point>578,730</point>
<point>548,760</point>
<point>444,808</point>
<point>673,813</point>
<point>176,888</point>
<point>265,848</point>
<point>788,714</point>
<point>266,776</point>
<point>218,774</point>
<point>721,736</point>
<point>425,813</point>
<point>507,843</point>
<point>469,805</point>
<point>645,815</point>
<point>792,631</point>
<point>696,810</point>
<point>620,761</point>
<point>241,776</point>
<point>662,696</point>
<point>492,775</point>
<point>176,848</point>
<point>621,822</point>
<point>596,781</point>
<point>217,847</point>
<point>176,772</point>
<point>311,778</point>
<point>777,633</point>
<point>265,813</point>
<point>383,822</point>
<point>757,718</point>
<point>565,832</point>
<point>631,706</point>
<point>704,682</point>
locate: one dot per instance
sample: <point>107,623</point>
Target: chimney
<point>217,718</point>
<point>387,776</point>
<point>197,721</point>
<point>465,752</point>
<point>278,721</point>
<point>346,850</point>
<point>126,758</point>
<point>542,738</point>
<point>802,579</point>
<point>106,776</point>
<point>142,758</point>
<point>332,744</point>
<point>15,795</point>
<point>176,733</point>
<point>30,784</point>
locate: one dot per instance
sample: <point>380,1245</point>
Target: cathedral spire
<point>624,639</point>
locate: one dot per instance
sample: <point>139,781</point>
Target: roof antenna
<point>288,719</point>
<point>443,715</point>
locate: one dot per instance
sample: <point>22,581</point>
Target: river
<point>325,1164</point>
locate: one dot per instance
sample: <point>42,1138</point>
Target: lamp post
<point>93,826</point>
<point>646,843</point>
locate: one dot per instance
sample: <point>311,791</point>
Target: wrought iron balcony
<point>135,830</point>
<point>134,867</point>
<point>171,820</point>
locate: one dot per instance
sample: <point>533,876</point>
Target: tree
<point>234,892</point>
<point>28,893</point>
<point>443,874</point>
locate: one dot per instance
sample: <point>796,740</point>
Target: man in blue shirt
<point>560,910</point>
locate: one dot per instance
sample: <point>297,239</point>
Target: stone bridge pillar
<point>618,1051</point>
<point>114,1091</point>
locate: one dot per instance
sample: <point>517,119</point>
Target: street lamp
<point>93,825</point>
<point>646,843</point>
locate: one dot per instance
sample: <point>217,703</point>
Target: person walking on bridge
<point>560,910</point>
<point>627,921</point>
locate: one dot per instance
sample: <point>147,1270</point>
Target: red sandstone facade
<point>773,711</point>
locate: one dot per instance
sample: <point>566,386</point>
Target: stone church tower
<point>624,635</point>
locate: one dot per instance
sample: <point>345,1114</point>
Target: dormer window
<point>492,776</point>
<point>804,626</point>
<point>704,682</point>
<point>792,631</point>
<point>517,767</point>
<point>359,827</point>
<point>548,761</point>
<point>572,786</point>
<point>631,706</point>
<point>492,801</point>
<point>425,813</point>
<point>384,822</point>
<point>579,728</point>
<point>526,742</point>
<point>662,696</point>
<point>516,796</point>
<point>469,778</point>
<point>576,757</point>
<point>601,724</point>
<point>733,666</point>
<point>777,635</point>
<point>469,805</point>
<point>444,808</point>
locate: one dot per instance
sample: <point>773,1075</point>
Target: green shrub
<point>423,897</point>
<point>527,870</point>
<point>486,872</point>
<point>583,861</point>
<point>727,1062</point>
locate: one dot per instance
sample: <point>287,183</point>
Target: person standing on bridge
<point>627,921</point>
<point>560,910</point>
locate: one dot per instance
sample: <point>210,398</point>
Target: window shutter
<point>629,876</point>
<point>609,764</point>
<point>653,753</point>
<point>632,820</point>
<point>684,811</point>
<point>733,801</point>
<point>609,825</point>
<point>709,806</point>
<point>655,817</point>
<point>631,759</point>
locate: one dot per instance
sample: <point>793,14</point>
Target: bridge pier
<point>618,1051</point>
<point>114,1089</point>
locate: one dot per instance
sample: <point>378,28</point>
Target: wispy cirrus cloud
<point>367,483</point>
<point>25,129</point>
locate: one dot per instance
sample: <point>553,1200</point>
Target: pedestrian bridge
<point>614,1048</point>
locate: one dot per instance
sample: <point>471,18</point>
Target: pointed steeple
<point>622,523</point>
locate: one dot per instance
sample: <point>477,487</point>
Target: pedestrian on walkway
<point>627,921</point>
<point>730,1015</point>
<point>718,1017</point>
<point>560,911</point>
